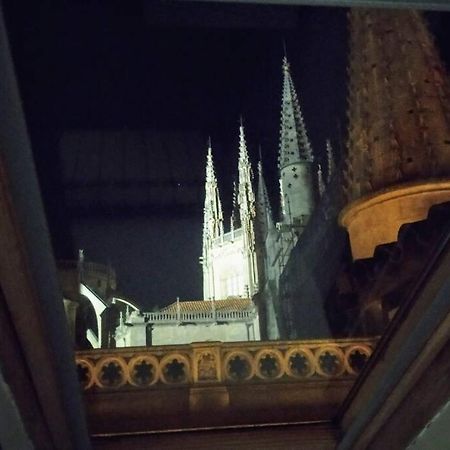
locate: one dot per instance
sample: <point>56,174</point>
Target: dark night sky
<point>177,69</point>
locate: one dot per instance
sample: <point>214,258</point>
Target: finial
<point>241,121</point>
<point>284,48</point>
<point>209,142</point>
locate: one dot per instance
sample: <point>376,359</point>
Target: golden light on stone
<point>376,219</point>
<point>222,363</point>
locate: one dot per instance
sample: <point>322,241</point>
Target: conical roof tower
<point>295,157</point>
<point>398,161</point>
<point>294,142</point>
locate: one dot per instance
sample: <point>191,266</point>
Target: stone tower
<point>229,259</point>
<point>398,162</point>
<point>295,158</point>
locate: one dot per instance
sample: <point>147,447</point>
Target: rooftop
<point>229,304</point>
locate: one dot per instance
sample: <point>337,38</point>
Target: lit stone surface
<point>399,131</point>
<point>376,219</point>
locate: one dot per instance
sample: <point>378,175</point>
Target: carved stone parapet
<point>222,363</point>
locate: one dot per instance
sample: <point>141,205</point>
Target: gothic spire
<point>294,142</point>
<point>246,197</point>
<point>247,213</point>
<point>331,166</point>
<point>263,209</point>
<point>213,217</point>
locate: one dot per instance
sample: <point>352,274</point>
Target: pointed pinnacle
<point>285,64</point>
<point>242,143</point>
<point>209,155</point>
<point>284,48</point>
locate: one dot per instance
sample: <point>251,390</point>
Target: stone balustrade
<point>199,317</point>
<point>222,363</point>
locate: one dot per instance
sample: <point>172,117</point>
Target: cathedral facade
<point>244,257</point>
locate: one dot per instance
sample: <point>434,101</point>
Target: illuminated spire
<point>331,166</point>
<point>247,213</point>
<point>294,142</point>
<point>246,197</point>
<point>320,181</point>
<point>213,217</point>
<point>295,158</point>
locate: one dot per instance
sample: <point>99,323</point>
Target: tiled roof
<point>230,304</point>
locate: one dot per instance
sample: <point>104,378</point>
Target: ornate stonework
<point>222,363</point>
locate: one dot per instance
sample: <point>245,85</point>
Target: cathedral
<point>243,257</point>
<point>306,274</point>
<point>356,267</point>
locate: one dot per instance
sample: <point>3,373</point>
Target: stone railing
<point>224,363</point>
<point>207,317</point>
